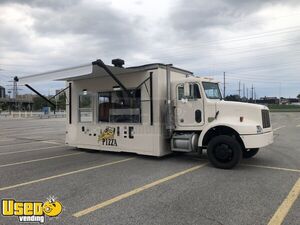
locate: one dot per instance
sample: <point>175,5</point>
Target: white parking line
<point>32,133</point>
<point>278,128</point>
<point>25,131</point>
<point>7,139</point>
<point>64,174</point>
<point>136,191</point>
<point>31,142</point>
<point>22,128</point>
<point>52,142</point>
<point>31,150</point>
<point>272,167</point>
<point>41,159</point>
<point>286,205</point>
<point>298,125</point>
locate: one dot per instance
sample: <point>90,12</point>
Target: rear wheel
<point>224,152</point>
<point>248,153</point>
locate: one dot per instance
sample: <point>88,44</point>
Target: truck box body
<point>145,137</point>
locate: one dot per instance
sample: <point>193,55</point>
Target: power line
<point>258,35</point>
<point>165,55</point>
<point>283,66</point>
<point>247,70</point>
<point>240,38</point>
<point>258,58</point>
<point>255,79</point>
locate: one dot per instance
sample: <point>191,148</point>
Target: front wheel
<point>248,153</point>
<point>224,152</point>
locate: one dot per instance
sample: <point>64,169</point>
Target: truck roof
<point>159,65</point>
<point>198,78</point>
<point>97,71</point>
<point>89,71</point>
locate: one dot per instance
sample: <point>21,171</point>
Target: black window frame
<point>82,108</point>
<point>136,101</point>
<point>192,97</point>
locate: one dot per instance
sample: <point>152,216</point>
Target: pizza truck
<point>154,110</point>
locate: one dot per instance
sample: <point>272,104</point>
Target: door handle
<point>198,116</point>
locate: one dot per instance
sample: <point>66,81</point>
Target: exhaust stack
<point>169,110</point>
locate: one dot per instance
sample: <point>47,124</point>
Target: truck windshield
<point>212,90</point>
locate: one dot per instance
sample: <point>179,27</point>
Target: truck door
<point>189,105</point>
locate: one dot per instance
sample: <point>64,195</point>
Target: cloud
<point>192,16</point>
<point>253,41</point>
<point>81,32</point>
<point>100,23</point>
<point>54,4</point>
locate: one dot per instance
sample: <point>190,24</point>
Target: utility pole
<point>252,92</point>
<point>244,91</point>
<point>224,85</point>
<point>247,93</point>
<point>239,89</point>
<point>15,91</point>
<point>15,88</point>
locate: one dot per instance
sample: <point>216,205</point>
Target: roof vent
<point>118,62</point>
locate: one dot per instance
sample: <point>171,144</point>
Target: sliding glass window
<point>120,106</point>
<point>85,108</point>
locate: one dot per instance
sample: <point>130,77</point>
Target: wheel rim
<point>223,153</point>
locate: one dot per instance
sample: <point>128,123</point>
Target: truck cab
<point>228,130</point>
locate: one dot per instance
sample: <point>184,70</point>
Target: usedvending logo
<point>107,137</point>
<point>31,211</point>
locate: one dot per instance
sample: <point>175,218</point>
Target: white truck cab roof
<point>196,79</point>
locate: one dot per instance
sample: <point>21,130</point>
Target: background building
<point>2,92</point>
<point>268,100</point>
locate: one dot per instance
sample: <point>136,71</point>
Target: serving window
<point>120,106</point>
<point>85,108</point>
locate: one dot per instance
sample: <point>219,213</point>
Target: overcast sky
<point>256,42</point>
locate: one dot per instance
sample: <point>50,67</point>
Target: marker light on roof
<point>208,78</point>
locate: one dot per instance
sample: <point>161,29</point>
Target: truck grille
<point>265,118</point>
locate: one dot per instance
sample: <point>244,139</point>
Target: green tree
<point>39,103</point>
<point>3,106</point>
<point>298,96</point>
<point>235,98</point>
<point>61,103</point>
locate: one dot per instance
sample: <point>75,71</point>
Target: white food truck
<point>157,109</point>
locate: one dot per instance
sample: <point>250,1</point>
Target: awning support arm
<point>100,63</point>
<point>142,84</point>
<point>58,93</point>
<point>39,94</point>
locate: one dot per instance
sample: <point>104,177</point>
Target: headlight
<point>259,129</point>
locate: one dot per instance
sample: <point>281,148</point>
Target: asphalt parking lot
<point>118,188</point>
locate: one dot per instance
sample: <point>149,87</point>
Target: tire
<point>248,153</point>
<point>224,152</point>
